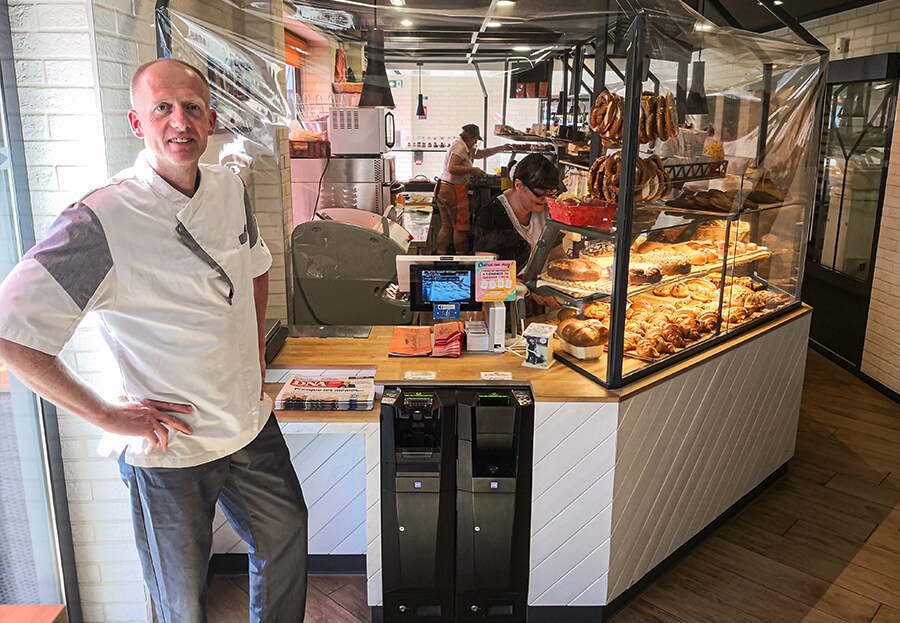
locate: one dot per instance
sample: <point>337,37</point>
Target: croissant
<point>708,320</point>
<point>631,340</point>
<point>690,328</point>
<point>646,349</point>
<point>672,334</point>
<point>683,313</point>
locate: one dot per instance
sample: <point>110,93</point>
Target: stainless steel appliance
<point>362,183</point>
<point>360,131</point>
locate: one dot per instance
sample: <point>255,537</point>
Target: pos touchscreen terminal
<point>442,283</point>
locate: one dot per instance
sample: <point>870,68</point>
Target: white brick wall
<point>74,62</point>
<point>454,98</point>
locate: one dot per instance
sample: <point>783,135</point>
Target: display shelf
<point>578,163</point>
<point>437,149</point>
<point>603,287</point>
<point>694,171</point>
<point>525,138</point>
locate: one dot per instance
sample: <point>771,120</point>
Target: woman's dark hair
<point>537,172</point>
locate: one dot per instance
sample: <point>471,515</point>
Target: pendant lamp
<point>695,103</point>
<point>376,89</point>
<point>420,109</point>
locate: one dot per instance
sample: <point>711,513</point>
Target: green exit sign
<point>396,84</point>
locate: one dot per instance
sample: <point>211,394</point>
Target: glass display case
<point>664,245</point>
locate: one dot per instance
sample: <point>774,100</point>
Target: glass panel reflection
<point>852,168</point>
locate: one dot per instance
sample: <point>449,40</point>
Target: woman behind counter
<point>512,224</point>
<point>453,188</point>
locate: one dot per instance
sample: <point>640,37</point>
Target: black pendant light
<point>420,109</point>
<point>376,89</point>
<point>695,103</point>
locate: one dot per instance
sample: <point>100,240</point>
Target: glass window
<point>29,562</point>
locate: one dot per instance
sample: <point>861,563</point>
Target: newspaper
<point>327,393</point>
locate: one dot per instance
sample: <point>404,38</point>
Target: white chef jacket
<point>171,278</point>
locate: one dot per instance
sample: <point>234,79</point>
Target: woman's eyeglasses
<point>544,194</point>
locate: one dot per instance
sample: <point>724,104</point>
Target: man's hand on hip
<point>148,419</point>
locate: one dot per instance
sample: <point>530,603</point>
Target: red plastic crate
<point>597,213</point>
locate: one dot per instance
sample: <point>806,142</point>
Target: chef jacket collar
<point>147,174</point>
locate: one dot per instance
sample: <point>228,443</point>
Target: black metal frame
<point>862,69</point>
<point>637,69</point>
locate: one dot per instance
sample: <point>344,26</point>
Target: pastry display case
<point>668,249</point>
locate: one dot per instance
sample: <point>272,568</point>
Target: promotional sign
<point>495,280</point>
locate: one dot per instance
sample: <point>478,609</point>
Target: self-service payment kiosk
<point>418,503</point>
<point>495,434</point>
<point>456,503</point>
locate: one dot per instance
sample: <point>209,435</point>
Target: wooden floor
<point>823,544</point>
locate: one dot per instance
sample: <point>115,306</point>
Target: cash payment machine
<point>456,503</point>
<point>418,499</point>
<point>495,435</point>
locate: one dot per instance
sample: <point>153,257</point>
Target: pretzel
<point>661,116</point>
<point>671,116</point>
<point>648,107</point>
<point>615,131</point>
<point>595,177</point>
<point>610,117</point>
<point>600,119</point>
<point>611,172</point>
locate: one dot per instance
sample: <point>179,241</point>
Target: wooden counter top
<point>558,384</point>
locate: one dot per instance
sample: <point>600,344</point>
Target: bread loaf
<point>573,270</point>
<point>588,332</point>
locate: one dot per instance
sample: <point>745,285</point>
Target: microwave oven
<point>360,131</point>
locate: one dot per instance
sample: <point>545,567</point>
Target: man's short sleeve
<point>57,282</point>
<point>260,257</point>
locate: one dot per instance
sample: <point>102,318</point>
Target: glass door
<point>858,127</point>
<point>35,538</point>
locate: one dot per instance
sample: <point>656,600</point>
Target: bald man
<point>168,255</point>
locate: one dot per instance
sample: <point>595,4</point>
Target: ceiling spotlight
<point>521,48</point>
<point>505,3</point>
<point>493,24</point>
<point>778,2</point>
<point>398,2</point>
<point>406,22</point>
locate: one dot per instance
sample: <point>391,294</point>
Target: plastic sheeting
<point>243,54</point>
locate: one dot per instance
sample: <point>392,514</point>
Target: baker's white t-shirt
<point>171,278</point>
<point>460,149</point>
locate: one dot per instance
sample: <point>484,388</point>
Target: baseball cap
<point>471,128</point>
